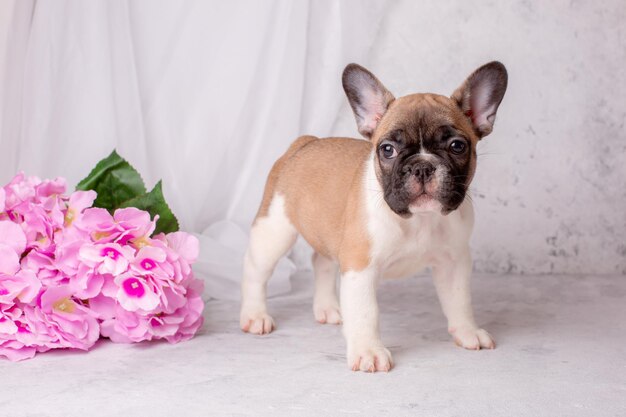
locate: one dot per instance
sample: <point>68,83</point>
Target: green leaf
<point>154,203</point>
<point>119,185</point>
<point>115,181</point>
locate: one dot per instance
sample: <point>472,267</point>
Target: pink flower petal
<point>48,188</point>
<point>98,218</point>
<point>132,216</point>
<point>186,245</point>
<point>32,286</point>
<point>17,352</point>
<point>90,253</point>
<point>80,200</point>
<point>9,261</point>
<point>12,235</point>
<point>7,326</point>
<point>54,294</point>
<point>103,307</point>
<point>151,252</point>
<point>134,294</point>
<point>136,222</point>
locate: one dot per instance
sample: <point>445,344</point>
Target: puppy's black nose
<point>423,171</point>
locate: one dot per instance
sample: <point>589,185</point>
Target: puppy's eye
<point>457,146</point>
<point>388,151</point>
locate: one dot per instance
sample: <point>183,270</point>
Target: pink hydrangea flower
<point>126,327</point>
<point>20,189</point>
<point>136,225</point>
<point>23,286</point>
<point>73,213</point>
<point>70,273</point>
<point>9,260</point>
<point>71,324</point>
<point>44,266</point>
<point>151,260</point>
<point>188,317</point>
<point>39,226</point>
<point>87,284</point>
<point>182,250</point>
<point>99,225</point>
<point>12,236</point>
<point>16,341</point>
<point>106,258</point>
<point>135,293</point>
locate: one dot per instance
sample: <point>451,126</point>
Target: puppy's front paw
<point>256,323</point>
<point>327,315</point>
<point>369,358</point>
<point>472,338</point>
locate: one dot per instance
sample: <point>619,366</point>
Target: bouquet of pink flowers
<point>70,272</point>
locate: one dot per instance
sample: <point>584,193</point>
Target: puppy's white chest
<point>402,251</point>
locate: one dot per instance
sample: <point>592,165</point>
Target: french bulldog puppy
<point>384,207</point>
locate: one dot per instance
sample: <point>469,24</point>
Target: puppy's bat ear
<point>368,97</point>
<point>480,95</point>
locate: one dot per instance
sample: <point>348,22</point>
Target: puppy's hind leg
<point>271,237</point>
<point>325,303</point>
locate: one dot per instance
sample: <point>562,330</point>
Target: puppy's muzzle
<point>421,170</point>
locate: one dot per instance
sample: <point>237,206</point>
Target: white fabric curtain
<point>203,94</point>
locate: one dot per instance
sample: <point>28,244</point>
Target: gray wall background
<point>550,190</point>
<point>549,193</point>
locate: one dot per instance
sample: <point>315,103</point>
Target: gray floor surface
<point>561,352</point>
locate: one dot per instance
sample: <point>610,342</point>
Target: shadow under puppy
<point>384,207</point>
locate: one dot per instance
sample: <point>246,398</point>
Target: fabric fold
<point>203,95</point>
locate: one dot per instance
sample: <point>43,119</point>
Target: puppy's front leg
<point>452,280</point>
<point>359,309</point>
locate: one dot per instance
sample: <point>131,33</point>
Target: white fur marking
<point>365,350</point>
<point>270,238</point>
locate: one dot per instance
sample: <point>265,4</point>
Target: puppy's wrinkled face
<point>425,154</point>
<point>425,144</point>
